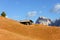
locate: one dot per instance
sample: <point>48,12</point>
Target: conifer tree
<point>3,14</point>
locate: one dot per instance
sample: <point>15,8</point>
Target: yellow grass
<point>7,35</point>
<point>30,32</point>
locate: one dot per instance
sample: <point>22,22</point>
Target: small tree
<point>3,14</point>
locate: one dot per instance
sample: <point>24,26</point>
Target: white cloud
<point>32,13</point>
<point>56,8</point>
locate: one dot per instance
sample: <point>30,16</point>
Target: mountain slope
<point>7,35</point>
<point>37,31</point>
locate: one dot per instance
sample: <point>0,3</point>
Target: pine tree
<point>3,14</point>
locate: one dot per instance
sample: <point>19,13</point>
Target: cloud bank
<point>32,13</point>
<point>56,8</point>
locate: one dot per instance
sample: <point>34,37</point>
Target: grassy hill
<point>30,32</point>
<point>7,35</point>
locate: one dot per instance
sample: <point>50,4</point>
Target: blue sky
<point>23,9</point>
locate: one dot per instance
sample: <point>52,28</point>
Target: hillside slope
<point>7,35</point>
<point>40,32</point>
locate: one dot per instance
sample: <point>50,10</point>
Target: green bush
<point>3,14</point>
